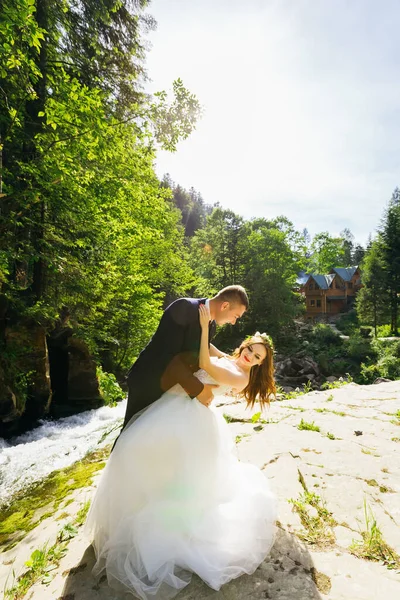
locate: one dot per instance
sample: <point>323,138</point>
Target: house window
<point>312,302</point>
<point>311,286</point>
<point>350,285</point>
<point>318,303</point>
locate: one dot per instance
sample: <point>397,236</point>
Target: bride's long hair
<point>261,384</point>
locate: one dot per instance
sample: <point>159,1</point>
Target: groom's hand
<point>206,396</point>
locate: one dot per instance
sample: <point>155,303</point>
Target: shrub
<point>384,331</point>
<point>348,323</point>
<point>359,348</point>
<point>365,331</point>
<point>109,387</point>
<point>325,336</point>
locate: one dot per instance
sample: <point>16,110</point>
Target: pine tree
<point>390,232</point>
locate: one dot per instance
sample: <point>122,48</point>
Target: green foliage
<point>17,519</point>
<point>82,513</point>
<point>383,331</point>
<point>385,363</point>
<point>358,347</point>
<point>304,426</point>
<point>348,322</point>
<point>372,299</point>
<point>318,524</point>
<point>85,229</point>
<point>175,121</point>
<point>373,546</point>
<point>39,565</point>
<point>323,335</point>
<point>326,252</point>
<point>390,234</point>
<point>263,256</point>
<point>332,385</point>
<point>110,389</point>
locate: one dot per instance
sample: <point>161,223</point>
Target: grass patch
<point>62,516</point>
<point>256,418</point>
<point>373,546</point>
<point>17,519</point>
<point>316,519</point>
<point>395,439</point>
<point>329,398</point>
<point>239,438</point>
<point>332,385</point>
<point>281,395</point>
<point>304,426</point>
<point>333,412</point>
<point>396,420</point>
<point>330,436</point>
<point>366,451</point>
<point>39,567</point>
<point>372,482</point>
<point>82,513</point>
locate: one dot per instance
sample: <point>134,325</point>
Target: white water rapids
<point>53,445</point>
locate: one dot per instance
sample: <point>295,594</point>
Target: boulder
<point>28,341</point>
<point>77,388</point>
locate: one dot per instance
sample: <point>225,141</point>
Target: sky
<point>301,106</point>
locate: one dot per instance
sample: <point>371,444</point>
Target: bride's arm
<point>215,352</point>
<point>220,373</point>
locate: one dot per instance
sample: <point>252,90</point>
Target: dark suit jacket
<point>171,356</point>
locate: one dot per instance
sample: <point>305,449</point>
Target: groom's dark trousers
<point>171,357</point>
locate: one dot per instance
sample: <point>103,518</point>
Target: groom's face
<point>228,312</point>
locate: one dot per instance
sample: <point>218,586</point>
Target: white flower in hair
<point>266,338</point>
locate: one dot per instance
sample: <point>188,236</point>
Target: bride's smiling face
<point>252,355</point>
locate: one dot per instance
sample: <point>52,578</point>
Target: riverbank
<point>333,460</point>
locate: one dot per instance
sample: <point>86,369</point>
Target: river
<point>30,457</point>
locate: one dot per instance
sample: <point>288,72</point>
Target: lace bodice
<point>204,377</point>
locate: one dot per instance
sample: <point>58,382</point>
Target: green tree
<point>85,229</point>
<point>348,247</point>
<point>390,233</point>
<point>326,252</point>
<point>217,250</point>
<point>358,254</point>
<point>372,299</point>
<point>271,266</point>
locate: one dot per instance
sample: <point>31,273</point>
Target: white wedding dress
<point>174,500</point>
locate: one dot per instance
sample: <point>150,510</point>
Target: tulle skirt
<point>174,500</point>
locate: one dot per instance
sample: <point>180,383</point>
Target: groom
<point>172,355</point>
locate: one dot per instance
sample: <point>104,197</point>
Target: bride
<point>173,499</point>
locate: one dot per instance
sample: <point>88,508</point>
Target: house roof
<point>302,278</point>
<point>345,274</point>
<point>324,281</point>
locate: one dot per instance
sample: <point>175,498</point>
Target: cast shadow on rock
<point>288,573</point>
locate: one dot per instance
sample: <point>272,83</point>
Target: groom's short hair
<point>235,294</point>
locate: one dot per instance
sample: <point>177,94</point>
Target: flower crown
<point>265,338</point>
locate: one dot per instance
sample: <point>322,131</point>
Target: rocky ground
<point>333,459</point>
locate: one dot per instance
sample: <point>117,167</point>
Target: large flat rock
<point>353,472</point>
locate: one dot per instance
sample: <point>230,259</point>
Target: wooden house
<point>331,293</point>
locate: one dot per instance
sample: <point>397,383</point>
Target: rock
<point>8,405</point>
<point>352,478</point>
<point>28,341</point>
<point>345,536</point>
<point>77,388</point>
<point>381,380</point>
